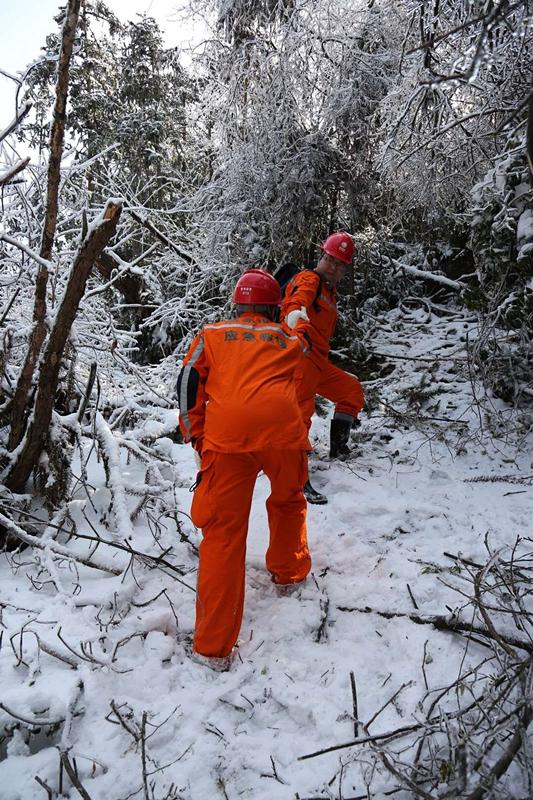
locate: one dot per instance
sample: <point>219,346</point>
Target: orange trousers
<point>317,375</point>
<point>221,507</point>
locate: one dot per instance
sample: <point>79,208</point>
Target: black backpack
<point>285,274</point>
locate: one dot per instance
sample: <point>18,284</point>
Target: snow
<point>417,486</point>
<point>524,227</point>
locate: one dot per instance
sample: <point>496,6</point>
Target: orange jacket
<point>308,290</point>
<point>236,388</point>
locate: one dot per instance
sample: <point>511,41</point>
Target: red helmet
<point>257,288</point>
<point>340,245</point>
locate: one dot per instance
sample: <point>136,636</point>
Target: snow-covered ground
<point>425,482</point>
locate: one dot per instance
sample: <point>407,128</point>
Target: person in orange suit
<point>238,409</point>
<point>313,294</point>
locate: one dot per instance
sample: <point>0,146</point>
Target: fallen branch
<point>130,284</point>
<point>36,722</point>
<point>378,737</point>
<point>109,449</point>
<point>4,237</point>
<point>428,276</point>
<point>53,547</point>
<point>504,762</point>
<point>7,308</point>
<point>354,706</point>
<point>88,391</point>
<point>442,623</point>
<point>145,558</point>
<point>398,733</point>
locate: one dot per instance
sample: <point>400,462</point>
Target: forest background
<point>153,181</point>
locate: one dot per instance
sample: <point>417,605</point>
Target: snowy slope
<point>409,493</point>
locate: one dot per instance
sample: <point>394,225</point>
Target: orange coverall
<point>316,374</point>
<point>238,407</point>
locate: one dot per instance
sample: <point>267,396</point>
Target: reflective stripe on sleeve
<point>184,382</point>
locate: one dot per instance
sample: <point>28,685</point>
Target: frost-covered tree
<point>287,98</point>
<point>127,103</point>
<point>462,89</point>
<point>60,322</point>
<point>501,223</point>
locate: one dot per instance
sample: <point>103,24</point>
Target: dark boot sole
<point>315,498</point>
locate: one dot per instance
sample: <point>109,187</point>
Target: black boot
<point>314,497</point>
<point>338,437</point>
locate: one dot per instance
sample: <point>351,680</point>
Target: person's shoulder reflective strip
<point>184,381</point>
<point>241,325</point>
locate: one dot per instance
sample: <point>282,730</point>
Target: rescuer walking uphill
<point>238,408</point>
<point>313,292</point>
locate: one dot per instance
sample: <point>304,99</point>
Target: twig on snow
<point>36,722</point>
<point>412,597</point>
<point>73,777</point>
<point>321,632</point>
<point>354,706</point>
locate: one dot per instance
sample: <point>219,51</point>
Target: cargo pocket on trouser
<point>202,504</point>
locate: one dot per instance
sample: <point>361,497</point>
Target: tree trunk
<point>54,170</point>
<point>530,140</point>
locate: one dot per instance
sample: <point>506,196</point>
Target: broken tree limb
<point>354,706</point>
<point>110,451</point>
<point>434,721</point>
<point>161,236</point>
<point>8,176</point>
<point>24,111</point>
<point>33,441</point>
<point>504,762</point>
<point>53,547</point>
<point>88,391</point>
<point>71,772</point>
<point>443,623</point>
<point>427,276</point>
<point>151,561</point>
<point>7,308</point>
<point>388,735</point>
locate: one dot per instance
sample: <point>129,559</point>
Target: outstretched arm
<point>301,291</point>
